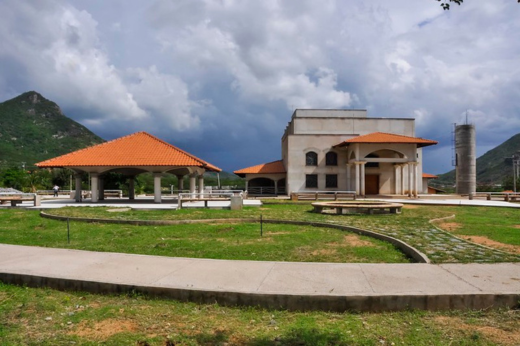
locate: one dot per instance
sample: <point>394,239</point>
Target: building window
<point>311,159</point>
<point>331,180</point>
<point>311,180</point>
<point>331,159</point>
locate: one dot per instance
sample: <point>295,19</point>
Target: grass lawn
<point>412,226</point>
<point>241,241</point>
<point>46,317</point>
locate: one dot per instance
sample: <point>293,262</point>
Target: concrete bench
<point>323,195</point>
<point>15,200</point>
<point>364,207</point>
<point>507,196</point>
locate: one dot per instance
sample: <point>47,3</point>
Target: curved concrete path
<point>286,285</point>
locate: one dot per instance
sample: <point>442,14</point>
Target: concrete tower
<point>465,159</point>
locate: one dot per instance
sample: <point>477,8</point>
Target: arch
<point>311,158</point>
<point>387,153</point>
<point>372,164</point>
<point>331,158</point>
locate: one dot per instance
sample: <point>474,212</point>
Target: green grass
<point>47,317</point>
<point>499,224</point>
<point>241,241</point>
<point>412,226</point>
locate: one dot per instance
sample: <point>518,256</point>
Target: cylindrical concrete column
<point>415,180</point>
<point>201,185</point>
<point>101,188</point>
<point>94,187</point>
<point>363,178</point>
<point>402,186</point>
<point>192,185</point>
<point>131,188</point>
<point>358,191</point>
<point>465,159</point>
<point>77,195</point>
<point>396,179</point>
<point>410,180</point>
<point>157,187</point>
<point>180,183</point>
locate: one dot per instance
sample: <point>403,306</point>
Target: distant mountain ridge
<point>34,129</point>
<point>492,167</point>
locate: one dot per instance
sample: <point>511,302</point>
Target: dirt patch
<point>517,226</point>
<point>500,336</point>
<point>450,226</point>
<point>324,252</point>
<point>276,233</point>
<point>410,206</point>
<point>354,240</point>
<point>104,329</point>
<point>492,243</point>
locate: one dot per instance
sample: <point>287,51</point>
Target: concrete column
<point>415,180</point>
<point>131,188</point>
<point>247,184</point>
<point>276,187</point>
<point>77,195</point>
<point>410,181</point>
<point>396,179</point>
<point>402,179</point>
<point>358,191</point>
<point>349,167</point>
<point>180,184</point>
<point>94,187</point>
<point>101,188</point>
<point>201,185</point>
<point>192,185</point>
<point>363,178</point>
<point>157,187</point>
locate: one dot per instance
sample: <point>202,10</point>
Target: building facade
<point>344,150</point>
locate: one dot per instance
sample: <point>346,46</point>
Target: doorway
<point>372,184</point>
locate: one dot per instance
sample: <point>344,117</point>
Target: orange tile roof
<point>135,150</point>
<point>429,176</point>
<point>381,137</point>
<point>265,168</point>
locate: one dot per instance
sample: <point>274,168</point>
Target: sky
<point>221,78</point>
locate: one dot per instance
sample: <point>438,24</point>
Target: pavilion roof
<point>429,176</point>
<point>136,150</point>
<point>264,168</point>
<point>387,138</point>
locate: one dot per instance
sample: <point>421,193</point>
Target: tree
<point>446,5</point>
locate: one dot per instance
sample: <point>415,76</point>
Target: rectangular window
<point>311,180</point>
<point>331,180</point>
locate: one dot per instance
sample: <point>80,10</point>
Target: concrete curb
<point>408,250</point>
<point>293,302</point>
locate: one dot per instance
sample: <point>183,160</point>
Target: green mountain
<point>34,129</point>
<point>492,167</point>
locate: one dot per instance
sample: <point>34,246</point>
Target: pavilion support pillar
<point>157,187</point>
<point>180,182</point>
<point>101,188</point>
<point>201,185</point>
<point>247,184</point>
<point>94,187</point>
<point>131,188</point>
<point>77,196</point>
<point>192,185</point>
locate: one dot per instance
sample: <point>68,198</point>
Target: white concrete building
<point>343,150</point>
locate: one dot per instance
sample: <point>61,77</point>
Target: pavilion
<point>132,155</point>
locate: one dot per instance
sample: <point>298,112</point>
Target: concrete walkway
<point>286,285</point>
